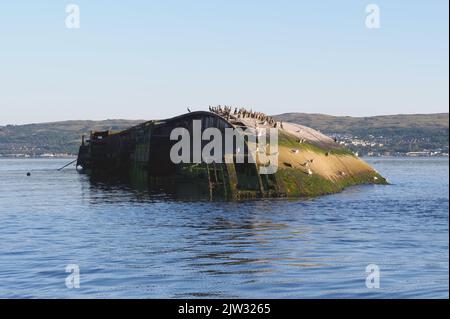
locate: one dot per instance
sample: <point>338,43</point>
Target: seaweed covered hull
<point>309,163</point>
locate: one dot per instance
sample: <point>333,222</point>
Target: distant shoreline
<point>391,135</point>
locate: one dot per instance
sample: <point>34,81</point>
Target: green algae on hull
<point>298,184</point>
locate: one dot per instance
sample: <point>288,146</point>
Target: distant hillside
<point>374,124</point>
<point>54,137</point>
<point>396,133</point>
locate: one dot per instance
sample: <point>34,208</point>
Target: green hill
<point>396,133</point>
<point>54,137</point>
<point>360,125</point>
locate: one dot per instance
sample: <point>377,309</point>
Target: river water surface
<point>129,244</point>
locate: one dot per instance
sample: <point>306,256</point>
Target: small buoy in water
<point>28,174</point>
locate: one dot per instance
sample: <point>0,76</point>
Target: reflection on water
<point>136,242</point>
<point>144,191</point>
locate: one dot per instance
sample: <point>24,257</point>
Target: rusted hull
<point>142,153</point>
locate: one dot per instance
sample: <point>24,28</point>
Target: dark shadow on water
<point>119,189</point>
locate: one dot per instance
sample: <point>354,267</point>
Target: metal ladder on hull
<point>216,179</point>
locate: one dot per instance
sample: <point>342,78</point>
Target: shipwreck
<point>308,163</point>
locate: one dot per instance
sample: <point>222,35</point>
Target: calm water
<point>130,244</point>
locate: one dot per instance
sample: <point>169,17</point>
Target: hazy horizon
<point>149,60</point>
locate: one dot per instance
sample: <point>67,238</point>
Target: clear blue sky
<point>152,59</point>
